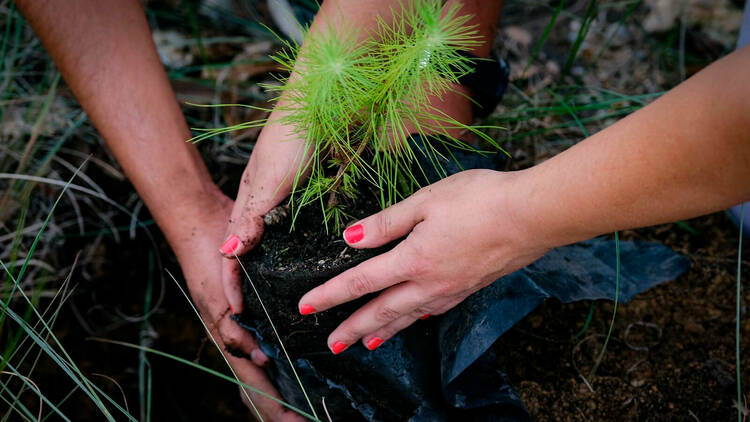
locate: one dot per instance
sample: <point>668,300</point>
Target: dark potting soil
<point>285,266</point>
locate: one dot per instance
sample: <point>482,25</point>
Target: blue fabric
<point>744,39</point>
<point>745,29</point>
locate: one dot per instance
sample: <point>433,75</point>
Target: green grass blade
<point>36,390</point>
<point>738,356</point>
<point>209,371</point>
<point>85,385</point>
<point>585,25</point>
<point>211,336</point>
<point>545,34</point>
<point>600,357</point>
<point>299,381</point>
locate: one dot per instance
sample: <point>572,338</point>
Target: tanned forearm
<point>685,155</point>
<point>104,50</point>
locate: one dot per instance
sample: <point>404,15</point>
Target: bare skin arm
<point>105,52</point>
<point>684,155</point>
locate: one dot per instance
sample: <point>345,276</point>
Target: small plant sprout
<point>363,106</point>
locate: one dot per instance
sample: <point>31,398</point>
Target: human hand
<point>201,265</point>
<point>266,181</point>
<point>464,232</point>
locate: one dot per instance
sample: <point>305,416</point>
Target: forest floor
<point>672,354</point>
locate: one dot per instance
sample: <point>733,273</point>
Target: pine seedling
<point>324,101</point>
<point>356,103</point>
<point>421,55</point>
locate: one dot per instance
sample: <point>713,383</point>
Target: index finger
<point>375,274</point>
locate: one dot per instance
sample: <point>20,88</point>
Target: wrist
<point>183,223</point>
<point>543,212</point>
<point>528,207</point>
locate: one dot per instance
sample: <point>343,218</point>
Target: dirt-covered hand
<point>464,232</point>
<point>201,265</point>
<point>266,181</point>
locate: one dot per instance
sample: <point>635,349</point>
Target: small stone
<point>694,327</point>
<point>321,262</point>
<point>518,34</point>
<point>637,383</point>
<point>276,215</point>
<point>662,15</point>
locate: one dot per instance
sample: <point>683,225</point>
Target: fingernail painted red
<point>374,343</point>
<point>230,245</point>
<point>425,316</point>
<point>231,309</point>
<point>338,347</point>
<point>306,309</point>
<point>354,233</point>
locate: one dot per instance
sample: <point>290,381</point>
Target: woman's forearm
<point>684,155</point>
<point>105,52</point>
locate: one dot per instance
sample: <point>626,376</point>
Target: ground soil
<point>672,353</point>
<point>286,265</point>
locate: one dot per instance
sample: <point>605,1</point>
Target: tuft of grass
<point>738,356</point>
<point>39,337</point>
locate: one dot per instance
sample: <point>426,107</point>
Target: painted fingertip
<point>306,309</point>
<point>425,316</point>
<point>338,347</point>
<point>354,233</point>
<point>231,309</point>
<point>230,245</point>
<point>374,342</point>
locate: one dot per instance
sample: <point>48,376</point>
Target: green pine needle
<point>355,104</point>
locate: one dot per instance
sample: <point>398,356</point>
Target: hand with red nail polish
<point>196,250</point>
<point>462,233</point>
<point>266,181</point>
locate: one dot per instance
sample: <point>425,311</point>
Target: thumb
<point>242,234</point>
<point>390,224</point>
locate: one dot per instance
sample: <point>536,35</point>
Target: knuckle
<point>422,311</point>
<point>320,296</point>
<point>230,334</point>
<point>360,285</point>
<point>416,266</point>
<point>231,338</point>
<point>384,223</point>
<point>443,289</point>
<point>386,314</point>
